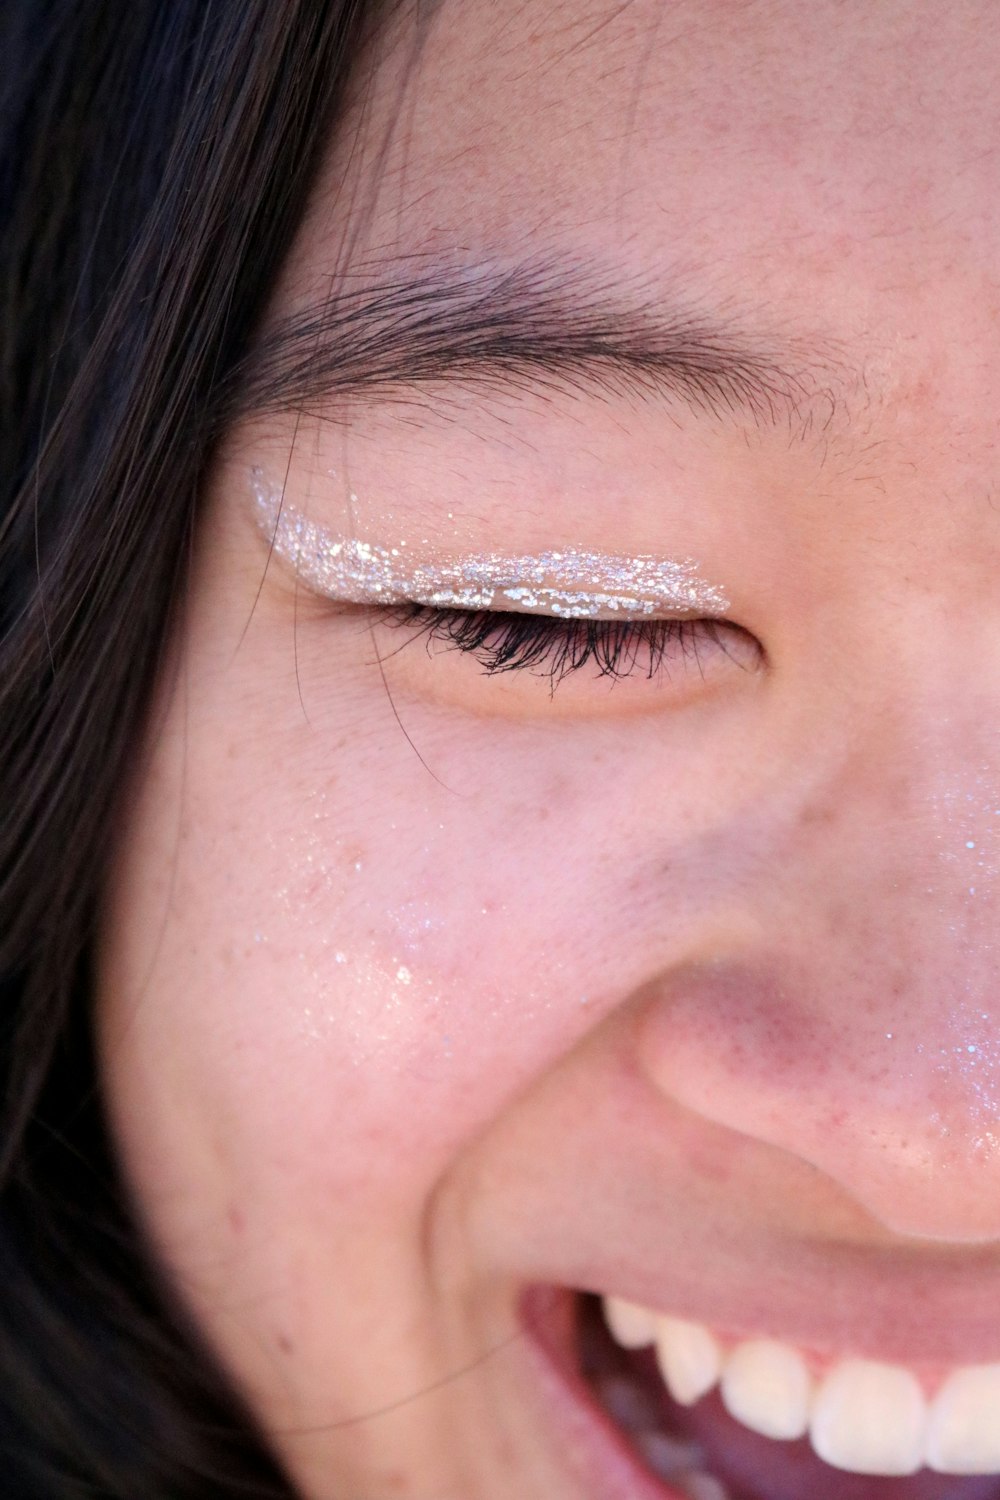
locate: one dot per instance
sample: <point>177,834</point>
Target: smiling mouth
<point>758,1420</point>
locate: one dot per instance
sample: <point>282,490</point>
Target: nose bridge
<point>913,864</point>
<point>870,1047</point>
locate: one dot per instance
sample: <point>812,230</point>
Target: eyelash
<point>548,646</point>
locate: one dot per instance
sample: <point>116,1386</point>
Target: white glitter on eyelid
<point>576,584</point>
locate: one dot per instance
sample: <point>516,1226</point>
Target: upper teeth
<point>861,1415</point>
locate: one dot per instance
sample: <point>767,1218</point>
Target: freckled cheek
<point>452,909</point>
<point>340,970</point>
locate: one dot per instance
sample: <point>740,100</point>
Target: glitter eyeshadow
<point>575,584</point>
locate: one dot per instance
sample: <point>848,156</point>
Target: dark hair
<point>155,157</point>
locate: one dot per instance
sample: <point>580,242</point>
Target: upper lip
<point>918,1304</point>
<point>913,1314</point>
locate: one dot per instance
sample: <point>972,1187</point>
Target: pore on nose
<point>908,1129</point>
<point>866,1041</point>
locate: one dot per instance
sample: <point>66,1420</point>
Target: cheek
<point>326,970</point>
<point>339,946</point>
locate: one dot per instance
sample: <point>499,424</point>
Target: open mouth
<point>756,1420</point>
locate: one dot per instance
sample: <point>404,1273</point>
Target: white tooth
<point>766,1386</point>
<point>869,1418</point>
<point>963,1435</point>
<point>699,1486</point>
<point>667,1455</point>
<point>633,1327</point>
<point>689,1359</point>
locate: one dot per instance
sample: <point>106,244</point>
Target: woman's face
<point>432,998</point>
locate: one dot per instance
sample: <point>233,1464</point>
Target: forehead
<point>640,130</point>
<point>823,176</point>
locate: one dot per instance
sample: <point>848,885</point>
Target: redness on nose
<point>902,1123</point>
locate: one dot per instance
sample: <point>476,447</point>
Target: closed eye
<point>556,648</point>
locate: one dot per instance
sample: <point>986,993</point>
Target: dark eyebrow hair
<point>530,327</point>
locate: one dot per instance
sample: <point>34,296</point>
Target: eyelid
<point>570,583</point>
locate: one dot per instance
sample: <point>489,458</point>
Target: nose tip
<point>905,1125</point>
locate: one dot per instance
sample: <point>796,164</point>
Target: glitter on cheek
<point>571,583</point>
<point>369,1009</point>
<point>356,979</point>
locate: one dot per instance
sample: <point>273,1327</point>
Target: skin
<point>418,987</point>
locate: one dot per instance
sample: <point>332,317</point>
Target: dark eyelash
<point>551,647</point>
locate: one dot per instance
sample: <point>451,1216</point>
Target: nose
<point>862,1034</point>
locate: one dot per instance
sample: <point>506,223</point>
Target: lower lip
<point>606,1464</point>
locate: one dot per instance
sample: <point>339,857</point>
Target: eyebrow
<point>540,326</point>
